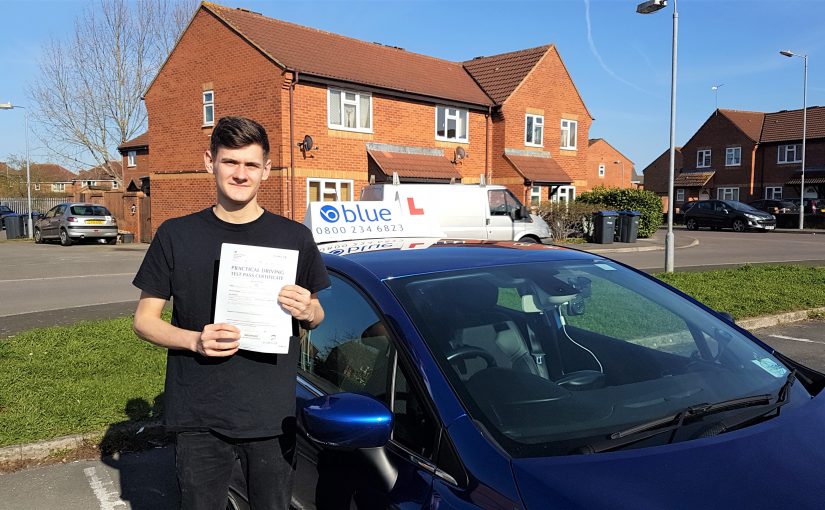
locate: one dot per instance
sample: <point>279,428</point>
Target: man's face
<point>238,172</point>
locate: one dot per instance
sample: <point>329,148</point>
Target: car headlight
<point>752,217</point>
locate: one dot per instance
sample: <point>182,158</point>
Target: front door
<point>352,350</point>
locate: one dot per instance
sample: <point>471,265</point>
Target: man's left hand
<point>298,302</point>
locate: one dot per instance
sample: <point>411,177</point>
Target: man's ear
<point>267,168</point>
<point>207,161</point>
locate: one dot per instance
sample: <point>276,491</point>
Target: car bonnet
<point>775,464</point>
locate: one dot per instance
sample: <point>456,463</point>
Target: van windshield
<point>372,193</point>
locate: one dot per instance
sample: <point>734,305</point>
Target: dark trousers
<point>205,461</point>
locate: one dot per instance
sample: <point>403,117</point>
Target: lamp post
<point>9,106</point>
<point>788,53</point>
<point>649,7</point>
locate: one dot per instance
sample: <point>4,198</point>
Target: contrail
<point>599,57</point>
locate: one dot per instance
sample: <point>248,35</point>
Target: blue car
<point>501,375</point>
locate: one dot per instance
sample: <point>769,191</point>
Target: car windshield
<point>90,210</point>
<point>549,357</point>
<point>739,206</point>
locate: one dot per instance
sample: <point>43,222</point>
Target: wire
<point>564,328</point>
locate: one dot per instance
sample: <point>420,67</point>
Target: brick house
<point>50,179</point>
<point>135,159</point>
<point>370,110</point>
<point>608,167</point>
<point>744,156</point>
<point>97,178</point>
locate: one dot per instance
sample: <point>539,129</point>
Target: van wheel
<point>527,239</point>
<point>65,240</point>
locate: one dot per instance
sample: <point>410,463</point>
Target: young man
<point>224,403</point>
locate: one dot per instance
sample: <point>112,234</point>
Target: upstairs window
<point>350,111</point>
<point>789,153</point>
<point>534,130</point>
<point>36,186</point>
<point>568,134</point>
<point>451,124</point>
<point>733,156</point>
<point>131,158</point>
<point>703,158</point>
<point>59,186</point>
<point>115,185</point>
<point>601,170</point>
<point>208,108</point>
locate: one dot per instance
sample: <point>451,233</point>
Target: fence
<point>39,204</point>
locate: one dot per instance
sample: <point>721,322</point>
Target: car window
<point>413,425</point>
<point>90,210</point>
<point>350,349</point>
<point>60,210</point>
<point>502,202</point>
<point>704,206</point>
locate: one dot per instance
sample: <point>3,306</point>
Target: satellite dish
<point>307,144</point>
<point>460,153</point>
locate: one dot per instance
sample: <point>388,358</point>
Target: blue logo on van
<point>330,213</point>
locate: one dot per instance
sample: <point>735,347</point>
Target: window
<point>535,196</point>
<point>773,192</point>
<point>89,183</point>
<point>350,111</point>
<point>789,154</point>
<point>502,202</point>
<point>451,124</point>
<point>680,195</point>
<point>534,130</point>
<point>727,194</point>
<point>115,185</point>
<point>208,108</point>
<point>350,349</point>
<point>601,170</point>
<point>131,158</point>
<point>564,194</point>
<point>37,186</point>
<point>58,186</point>
<point>413,426</point>
<point>703,158</point>
<point>733,156</point>
<point>328,190</point>
<point>568,134</point>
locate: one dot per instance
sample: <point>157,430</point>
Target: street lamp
<point>646,8</point>
<point>9,106</point>
<point>788,53</point>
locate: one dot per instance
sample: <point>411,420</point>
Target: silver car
<point>73,222</point>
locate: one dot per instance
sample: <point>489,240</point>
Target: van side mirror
<point>520,213</point>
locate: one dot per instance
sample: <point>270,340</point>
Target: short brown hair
<point>237,132</point>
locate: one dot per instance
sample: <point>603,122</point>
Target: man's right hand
<point>218,340</point>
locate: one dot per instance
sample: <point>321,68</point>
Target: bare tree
<point>87,99</point>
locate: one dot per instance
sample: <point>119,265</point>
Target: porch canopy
<point>692,179</point>
<point>412,167</point>
<point>812,176</point>
<point>540,171</point>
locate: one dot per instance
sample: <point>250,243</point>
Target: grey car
<point>72,222</point>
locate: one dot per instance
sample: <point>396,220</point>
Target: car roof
<point>448,255</point>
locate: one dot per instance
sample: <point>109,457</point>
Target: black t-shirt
<point>246,395</point>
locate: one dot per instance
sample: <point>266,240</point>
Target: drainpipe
<point>291,181</point>
<point>487,168</point>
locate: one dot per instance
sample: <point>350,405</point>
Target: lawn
<point>85,377</point>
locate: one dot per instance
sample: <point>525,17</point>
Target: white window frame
<point>131,158</point>
<point>564,194</point>
<point>569,132</point>
<point>782,153</point>
<point>36,186</point>
<point>209,105</point>
<point>733,156</point>
<point>703,158</point>
<point>535,193</point>
<point>458,124</point>
<point>727,193</point>
<point>89,183</point>
<point>538,125</point>
<point>344,101</point>
<point>115,185</point>
<point>58,186</point>
<point>773,193</point>
<point>680,195</point>
<point>322,184</point>
<point>601,170</point>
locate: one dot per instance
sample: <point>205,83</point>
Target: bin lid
<point>606,213</point>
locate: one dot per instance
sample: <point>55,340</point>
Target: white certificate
<point>249,280</point>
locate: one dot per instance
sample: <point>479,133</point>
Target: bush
<point>567,219</point>
<point>618,199</point>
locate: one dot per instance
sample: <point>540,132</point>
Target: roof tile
<point>499,75</point>
<point>539,170</point>
<point>692,179</point>
<point>787,125</point>
<point>415,166</point>
<point>749,122</point>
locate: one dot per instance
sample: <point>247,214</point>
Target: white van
<point>467,211</point>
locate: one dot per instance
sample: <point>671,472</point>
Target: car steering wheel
<point>467,352</point>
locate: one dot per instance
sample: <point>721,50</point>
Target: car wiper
<point>672,422</point>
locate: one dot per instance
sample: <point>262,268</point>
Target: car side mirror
<point>728,317</point>
<point>347,421</point>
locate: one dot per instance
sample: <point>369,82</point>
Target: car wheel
<point>38,237</point>
<point>65,240</point>
<point>738,225</point>
<point>111,240</point>
<point>691,224</point>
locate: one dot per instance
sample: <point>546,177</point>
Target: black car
<point>814,206</point>
<point>775,206</point>
<point>718,214</point>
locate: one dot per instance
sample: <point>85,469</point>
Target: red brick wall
<point>549,91</point>
<point>141,168</point>
<point>616,175</point>
<point>771,173</point>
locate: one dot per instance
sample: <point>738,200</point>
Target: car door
<point>354,350</point>
<point>49,223</point>
<point>500,225</point>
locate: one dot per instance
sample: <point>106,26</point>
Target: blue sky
<point>619,60</point>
